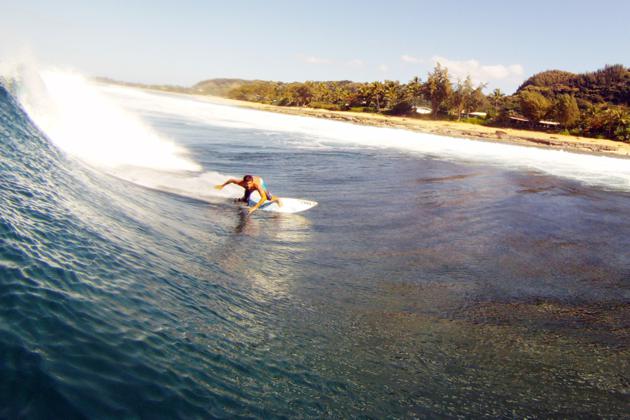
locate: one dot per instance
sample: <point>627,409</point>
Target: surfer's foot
<point>277,200</point>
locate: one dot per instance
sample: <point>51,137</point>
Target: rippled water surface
<point>423,284</point>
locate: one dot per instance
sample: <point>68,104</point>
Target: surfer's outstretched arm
<point>229,181</point>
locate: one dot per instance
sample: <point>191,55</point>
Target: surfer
<point>252,183</point>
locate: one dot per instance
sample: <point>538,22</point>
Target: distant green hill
<point>218,87</point>
<point>610,84</point>
<point>214,87</point>
<point>165,88</point>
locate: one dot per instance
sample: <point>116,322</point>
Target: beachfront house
<point>549,124</point>
<point>544,125</point>
<point>518,120</point>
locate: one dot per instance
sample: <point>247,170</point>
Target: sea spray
<point>199,186</point>
<point>86,124</point>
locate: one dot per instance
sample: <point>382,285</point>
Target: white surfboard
<point>286,205</point>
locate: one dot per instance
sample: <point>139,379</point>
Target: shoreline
<point>599,147</point>
<point>530,138</point>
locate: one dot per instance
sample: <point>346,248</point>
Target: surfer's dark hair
<point>247,178</point>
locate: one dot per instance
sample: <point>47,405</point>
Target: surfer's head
<point>249,181</point>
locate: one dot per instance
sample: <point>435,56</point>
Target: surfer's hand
<point>250,211</point>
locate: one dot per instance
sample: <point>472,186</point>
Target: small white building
<point>519,120</point>
<point>423,110</point>
<point>549,123</point>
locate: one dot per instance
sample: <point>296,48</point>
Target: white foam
<point>198,186</point>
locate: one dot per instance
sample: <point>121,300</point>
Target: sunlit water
<point>431,281</point>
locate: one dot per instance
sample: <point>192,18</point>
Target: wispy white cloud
<point>410,59</point>
<point>383,68</point>
<point>480,73</point>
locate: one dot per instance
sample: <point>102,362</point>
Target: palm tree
<point>497,97</point>
<point>414,87</point>
<point>438,88</point>
<point>377,90</point>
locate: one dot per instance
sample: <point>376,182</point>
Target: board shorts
<point>264,187</point>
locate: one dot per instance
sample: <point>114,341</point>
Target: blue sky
<point>183,42</point>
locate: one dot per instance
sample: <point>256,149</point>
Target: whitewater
<point>437,277</point>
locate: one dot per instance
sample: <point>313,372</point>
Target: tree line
<point>592,104</point>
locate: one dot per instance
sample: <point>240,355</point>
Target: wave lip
<point>83,122</point>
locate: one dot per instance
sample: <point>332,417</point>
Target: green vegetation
<point>607,121</point>
<point>534,105</point>
<point>466,99</point>
<point>610,84</point>
<point>591,104</point>
<point>566,110</point>
<point>438,88</point>
<point>594,104</point>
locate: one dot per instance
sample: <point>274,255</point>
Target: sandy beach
<point>452,129</point>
